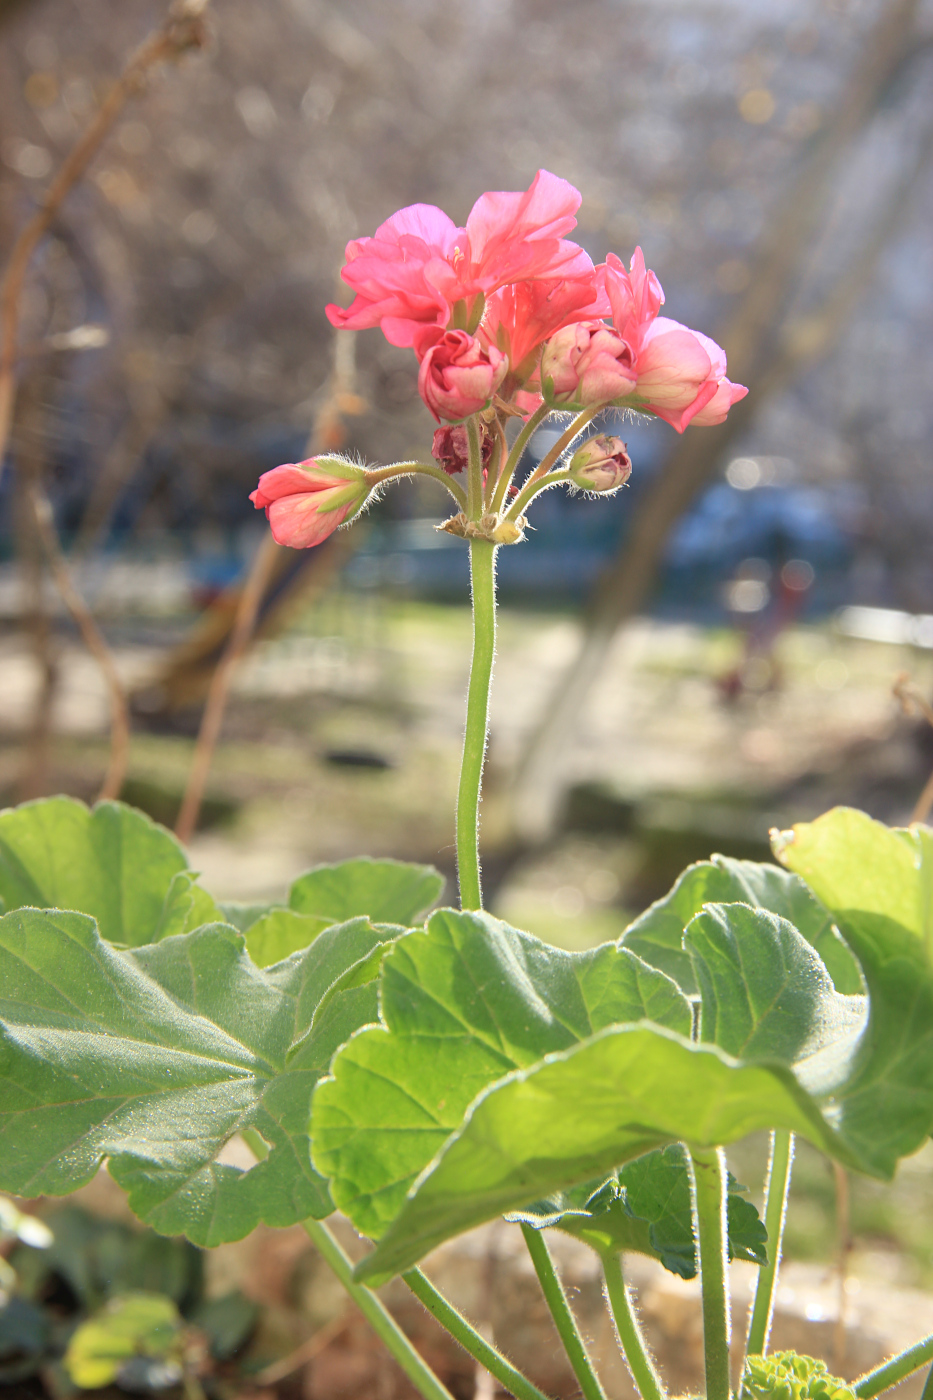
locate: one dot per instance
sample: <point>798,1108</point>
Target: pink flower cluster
<point>506,316</point>
<point>478,303</point>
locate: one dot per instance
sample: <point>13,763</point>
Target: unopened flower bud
<point>458,374</point>
<point>601,464</point>
<point>586,363</point>
<point>307,501</point>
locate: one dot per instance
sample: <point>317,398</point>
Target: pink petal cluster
<point>307,501</point>
<point>587,363</point>
<point>520,317</point>
<point>458,374</point>
<point>680,373</point>
<point>419,266</point>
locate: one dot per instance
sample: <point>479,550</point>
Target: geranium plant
<point>426,1072</point>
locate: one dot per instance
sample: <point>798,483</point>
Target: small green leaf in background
<point>464,1001</point>
<point>877,882</point>
<point>766,995</point>
<point>111,862</point>
<point>156,1057</point>
<point>646,1206</point>
<point>242,916</point>
<point>25,1331</point>
<point>386,891</point>
<point>226,1322</point>
<point>657,934</point>
<point>280,932</point>
<point>135,1324</point>
<point>579,1114</point>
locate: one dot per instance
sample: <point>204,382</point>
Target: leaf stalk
<point>631,1340</point>
<point>776,1194</point>
<point>564,1320</point>
<point>709,1191</point>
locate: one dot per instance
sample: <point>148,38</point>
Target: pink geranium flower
<point>458,374</point>
<point>307,501</point>
<point>419,266</point>
<point>520,317</point>
<point>587,363</point>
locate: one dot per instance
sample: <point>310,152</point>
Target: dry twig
<point>328,432</point>
<point>93,640</point>
<point>306,1352</point>
<point>183,30</point>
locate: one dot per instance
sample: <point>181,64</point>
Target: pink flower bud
<point>458,374</point>
<point>306,501</point>
<point>601,464</point>
<point>585,364</point>
<point>451,449</point>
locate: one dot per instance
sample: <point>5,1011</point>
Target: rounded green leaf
<point>580,1113</point>
<point>110,862</point>
<point>877,882</point>
<point>463,1002</point>
<point>386,891</point>
<point>156,1057</point>
<point>280,932</point>
<point>133,1324</point>
<point>657,934</point>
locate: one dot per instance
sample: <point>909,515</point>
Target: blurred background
<point>706,655</point>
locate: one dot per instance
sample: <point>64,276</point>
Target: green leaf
<point>657,935</point>
<point>242,916</point>
<point>766,995</point>
<point>156,1057</point>
<point>111,862</point>
<point>577,1115</point>
<point>280,932</point>
<point>136,1324</point>
<point>785,1375</point>
<point>646,1206</point>
<point>386,891</point>
<point>463,1002</point>
<point>877,882</point>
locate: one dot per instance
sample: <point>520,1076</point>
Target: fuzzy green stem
<point>527,432</point>
<point>474,471</point>
<point>377,1315</point>
<point>709,1192</point>
<point>483,578</point>
<point>776,1193</point>
<point>472,1342</point>
<point>534,488</point>
<point>631,1340</point>
<point>893,1371</point>
<point>564,1320</point>
<point>560,447</point>
<point>380,474</point>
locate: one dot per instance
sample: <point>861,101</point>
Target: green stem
<point>535,487</point>
<point>630,1337</point>
<point>527,432</point>
<point>560,446</point>
<point>472,1342</point>
<point>564,1321</point>
<point>883,1377</point>
<point>474,471</point>
<point>709,1177</point>
<point>776,1193</point>
<point>380,474</point>
<point>377,1315</point>
<point>483,577</point>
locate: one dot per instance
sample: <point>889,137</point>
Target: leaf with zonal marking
<point>155,1057</point>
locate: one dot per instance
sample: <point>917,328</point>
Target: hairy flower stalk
<point>509,319</point>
